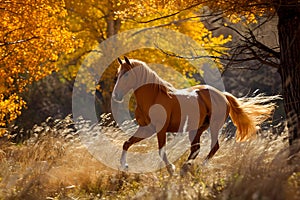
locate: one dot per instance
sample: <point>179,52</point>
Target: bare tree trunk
<point>289,39</point>
<point>113,25</point>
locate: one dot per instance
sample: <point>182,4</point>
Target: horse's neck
<point>148,89</point>
<point>145,95</point>
<point>151,78</point>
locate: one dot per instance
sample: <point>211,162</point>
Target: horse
<point>161,108</point>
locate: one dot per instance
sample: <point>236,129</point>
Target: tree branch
<point>18,41</point>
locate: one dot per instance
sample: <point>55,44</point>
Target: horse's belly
<point>184,125</point>
<point>188,115</point>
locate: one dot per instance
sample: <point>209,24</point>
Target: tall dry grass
<point>53,164</point>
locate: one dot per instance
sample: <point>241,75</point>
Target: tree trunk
<point>289,39</point>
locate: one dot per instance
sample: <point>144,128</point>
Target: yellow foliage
<point>32,37</point>
<point>10,109</point>
<point>97,21</point>
<point>236,10</point>
<point>37,38</point>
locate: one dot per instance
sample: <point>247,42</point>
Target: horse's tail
<point>248,113</point>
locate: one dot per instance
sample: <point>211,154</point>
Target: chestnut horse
<point>162,108</point>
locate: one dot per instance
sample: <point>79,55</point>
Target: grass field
<point>53,164</point>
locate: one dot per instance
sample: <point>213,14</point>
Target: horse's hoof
<point>171,169</point>
<point>124,167</point>
<point>205,162</point>
<point>185,168</point>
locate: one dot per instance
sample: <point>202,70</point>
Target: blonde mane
<point>163,85</point>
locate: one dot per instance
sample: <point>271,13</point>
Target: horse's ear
<point>120,61</point>
<point>127,61</point>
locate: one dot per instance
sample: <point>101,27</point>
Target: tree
<point>91,23</point>
<point>96,21</point>
<point>32,37</point>
<point>289,38</point>
<point>288,13</point>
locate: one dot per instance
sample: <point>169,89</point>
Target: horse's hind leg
<point>215,127</point>
<point>195,144</point>
<point>212,151</point>
<point>141,134</point>
<point>219,114</point>
<point>194,137</point>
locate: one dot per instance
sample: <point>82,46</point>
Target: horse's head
<point>126,80</point>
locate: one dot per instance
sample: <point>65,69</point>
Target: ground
<point>54,164</point>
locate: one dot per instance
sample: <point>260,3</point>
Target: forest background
<point>44,43</point>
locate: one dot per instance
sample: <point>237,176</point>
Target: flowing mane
<point>163,85</point>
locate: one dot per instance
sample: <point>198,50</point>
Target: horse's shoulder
<point>141,118</point>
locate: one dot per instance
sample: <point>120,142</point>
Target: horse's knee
<point>126,145</point>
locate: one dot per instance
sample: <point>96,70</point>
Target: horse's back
<point>215,101</point>
<point>207,93</point>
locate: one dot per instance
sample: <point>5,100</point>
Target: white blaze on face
<point>125,82</point>
<point>117,97</point>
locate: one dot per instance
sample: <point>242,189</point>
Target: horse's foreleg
<point>132,140</point>
<point>139,135</point>
<point>161,137</point>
